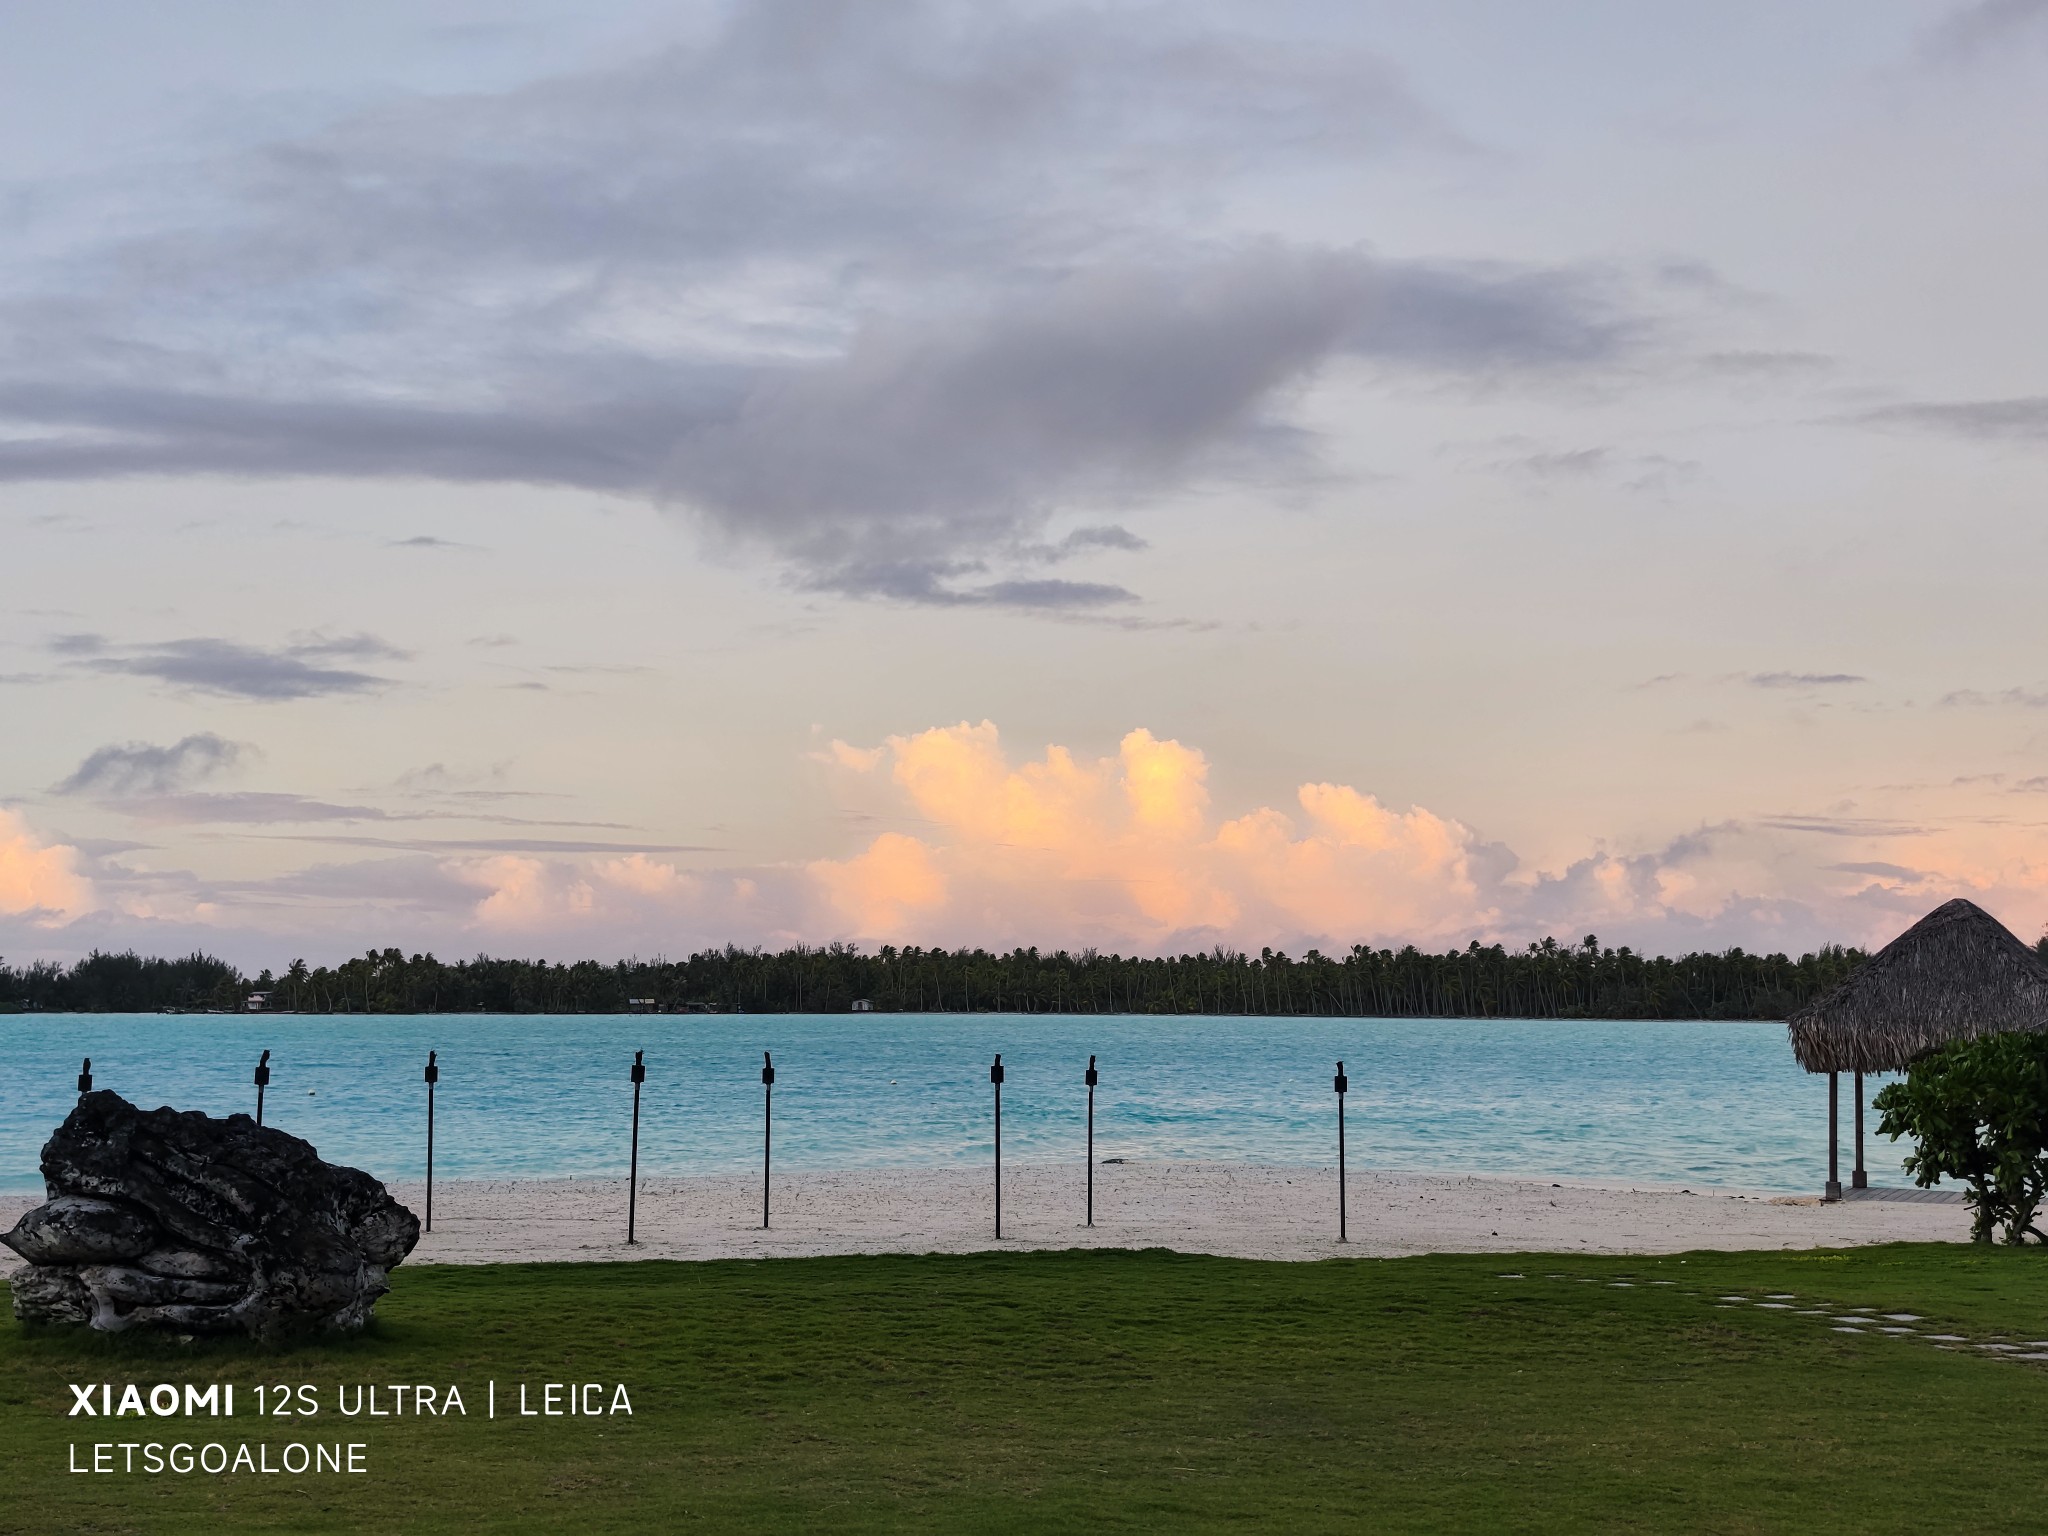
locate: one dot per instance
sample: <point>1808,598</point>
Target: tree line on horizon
<point>1547,980</point>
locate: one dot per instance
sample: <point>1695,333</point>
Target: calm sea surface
<point>1682,1103</point>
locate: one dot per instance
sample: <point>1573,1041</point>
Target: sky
<point>612,479</point>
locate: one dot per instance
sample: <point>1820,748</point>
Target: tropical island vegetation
<point>1546,980</point>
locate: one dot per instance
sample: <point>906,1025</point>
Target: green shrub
<point>1978,1112</point>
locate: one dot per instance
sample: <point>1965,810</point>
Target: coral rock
<point>180,1221</point>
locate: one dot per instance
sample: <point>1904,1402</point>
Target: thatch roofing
<point>1956,974</point>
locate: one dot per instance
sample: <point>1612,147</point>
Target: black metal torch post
<point>995,1075</point>
<point>633,1174</point>
<point>85,1076</point>
<point>433,1077</point>
<point>262,1082</point>
<point>1343,1083</point>
<point>767,1129</point>
<point>1091,1079</point>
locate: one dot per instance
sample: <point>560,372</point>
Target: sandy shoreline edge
<point>1236,1210</point>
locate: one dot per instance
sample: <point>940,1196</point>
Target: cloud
<point>1667,887</point>
<point>875,292</point>
<point>253,808</point>
<point>1803,679</point>
<point>644,876</point>
<point>235,670</point>
<point>879,472</point>
<point>137,768</point>
<point>1547,469</point>
<point>438,780</point>
<point>1082,540</point>
<point>859,759</point>
<point>360,647</point>
<point>1971,31</point>
<point>1128,851</point>
<point>529,895</point>
<point>362,897</point>
<point>40,881</point>
<point>1125,850</point>
<point>890,888</point>
<point>1574,464</point>
<point>1882,870</point>
<point>150,783</point>
<point>2014,698</point>
<point>1845,826</point>
<point>517,889</point>
<point>2020,420</point>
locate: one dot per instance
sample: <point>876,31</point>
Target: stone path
<point>1862,1321</point>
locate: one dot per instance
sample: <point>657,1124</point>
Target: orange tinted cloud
<point>647,898</point>
<point>37,878</point>
<point>885,888</point>
<point>1125,849</point>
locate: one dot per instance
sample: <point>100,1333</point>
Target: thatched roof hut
<point>1956,974</point>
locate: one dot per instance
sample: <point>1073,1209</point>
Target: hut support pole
<point>1834,1189</point>
<point>1859,1179</point>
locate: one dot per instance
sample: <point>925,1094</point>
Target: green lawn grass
<point>1112,1391</point>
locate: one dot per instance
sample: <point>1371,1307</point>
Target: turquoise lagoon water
<point>527,1096</point>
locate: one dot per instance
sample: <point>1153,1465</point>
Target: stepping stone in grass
<point>1895,1330</point>
<point>1735,1298</point>
<point>1774,1306</point>
<point>1781,1296</point>
<point>1947,1338</point>
<point>1903,1317</point>
<point>1848,1330</point>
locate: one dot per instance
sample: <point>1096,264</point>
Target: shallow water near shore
<point>530,1096</point>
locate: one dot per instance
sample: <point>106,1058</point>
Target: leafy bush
<point>1978,1112</point>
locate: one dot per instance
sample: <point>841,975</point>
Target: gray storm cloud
<point>878,291</point>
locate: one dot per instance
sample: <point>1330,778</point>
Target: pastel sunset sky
<point>611,478</point>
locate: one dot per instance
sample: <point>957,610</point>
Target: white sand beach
<point>1234,1209</point>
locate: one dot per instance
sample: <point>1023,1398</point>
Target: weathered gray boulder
<point>196,1225</point>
